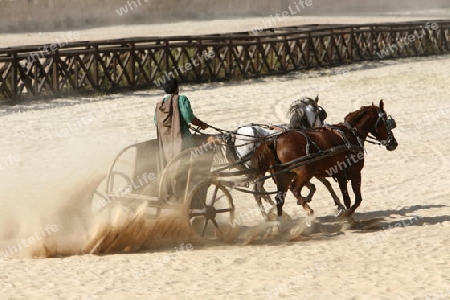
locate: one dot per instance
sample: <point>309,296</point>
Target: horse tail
<point>263,158</point>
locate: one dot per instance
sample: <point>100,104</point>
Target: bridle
<point>389,123</point>
<point>320,114</point>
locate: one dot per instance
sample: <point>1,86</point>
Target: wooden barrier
<point>31,72</point>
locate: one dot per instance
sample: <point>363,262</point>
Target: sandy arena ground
<point>396,248</point>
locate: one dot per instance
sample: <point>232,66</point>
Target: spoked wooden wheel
<point>118,181</point>
<point>110,184</point>
<point>210,207</point>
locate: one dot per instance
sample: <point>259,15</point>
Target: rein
<point>321,154</point>
<point>234,133</point>
<point>223,131</point>
<point>375,141</point>
<point>304,160</point>
<point>195,129</point>
<point>219,129</point>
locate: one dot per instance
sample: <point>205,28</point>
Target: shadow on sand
<point>304,229</point>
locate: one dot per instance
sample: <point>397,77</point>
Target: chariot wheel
<point>183,172</point>
<point>210,206</point>
<point>174,166</point>
<point>112,180</point>
<point>117,185</point>
<point>101,200</point>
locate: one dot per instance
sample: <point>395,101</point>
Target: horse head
<point>374,120</point>
<point>382,130</point>
<point>306,113</point>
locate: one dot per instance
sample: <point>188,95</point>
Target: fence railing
<point>31,72</point>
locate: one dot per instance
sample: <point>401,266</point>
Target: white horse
<point>304,114</point>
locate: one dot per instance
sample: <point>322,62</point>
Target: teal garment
<point>186,117</point>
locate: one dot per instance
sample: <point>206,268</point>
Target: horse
<point>304,113</point>
<point>294,157</point>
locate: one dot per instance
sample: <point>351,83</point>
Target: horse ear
<point>381,104</point>
<point>317,99</point>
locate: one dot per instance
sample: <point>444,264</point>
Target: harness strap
<point>304,160</point>
<point>355,133</point>
<point>308,142</point>
<point>314,144</point>
<point>342,136</point>
<point>274,151</point>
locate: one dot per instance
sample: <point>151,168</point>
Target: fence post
<point>330,49</point>
<point>372,40</point>
<point>211,62</point>
<point>284,46</point>
<point>446,37</point>
<point>55,78</point>
<point>351,44</point>
<point>166,53</point>
<point>14,88</point>
<point>96,56</point>
<point>133,66</point>
<point>229,59</point>
<point>308,51</point>
<point>256,56</point>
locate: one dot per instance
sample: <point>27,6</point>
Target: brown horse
<point>335,151</point>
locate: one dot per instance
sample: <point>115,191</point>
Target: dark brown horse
<point>335,151</point>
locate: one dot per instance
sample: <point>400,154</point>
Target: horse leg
<point>282,182</point>
<point>312,190</point>
<point>343,186</point>
<point>279,198</point>
<point>296,188</point>
<point>266,197</point>
<point>330,189</point>
<point>356,186</point>
<point>257,188</point>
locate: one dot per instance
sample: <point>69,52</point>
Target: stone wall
<point>40,15</point>
<point>370,7</point>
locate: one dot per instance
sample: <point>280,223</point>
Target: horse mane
<point>357,114</point>
<point>296,111</point>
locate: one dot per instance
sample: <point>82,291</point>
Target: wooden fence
<point>31,72</point>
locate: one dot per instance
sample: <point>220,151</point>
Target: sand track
<point>396,248</point>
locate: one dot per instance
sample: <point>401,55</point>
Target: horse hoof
<point>347,213</point>
<point>309,220</point>
<point>278,221</point>
<point>274,229</point>
<point>340,212</point>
